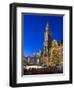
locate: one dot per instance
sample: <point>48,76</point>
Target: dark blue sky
<point>34,28</point>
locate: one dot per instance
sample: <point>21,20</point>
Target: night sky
<point>34,28</point>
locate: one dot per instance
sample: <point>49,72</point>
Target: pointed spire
<point>47,26</point>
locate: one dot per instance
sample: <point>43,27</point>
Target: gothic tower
<point>47,45</point>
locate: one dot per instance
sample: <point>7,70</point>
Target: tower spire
<point>47,44</point>
<point>47,26</point>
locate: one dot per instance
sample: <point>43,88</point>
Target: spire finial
<point>47,26</point>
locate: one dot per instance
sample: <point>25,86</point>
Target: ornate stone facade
<point>52,53</point>
<point>47,45</point>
